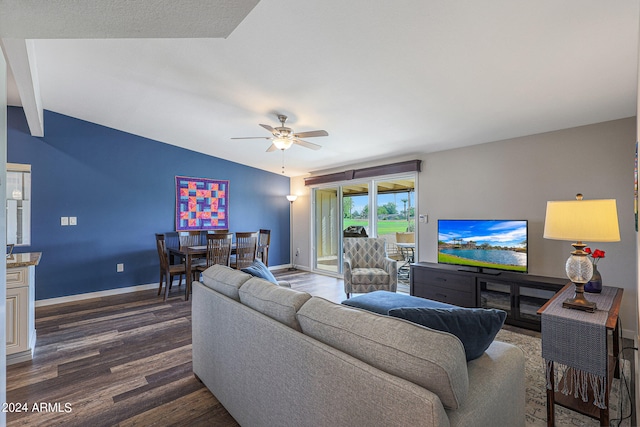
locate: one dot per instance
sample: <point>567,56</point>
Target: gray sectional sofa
<point>274,356</point>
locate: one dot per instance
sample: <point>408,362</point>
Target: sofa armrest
<point>497,385</point>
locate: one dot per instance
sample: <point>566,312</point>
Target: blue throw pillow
<point>258,269</point>
<point>475,327</point>
<point>382,301</point>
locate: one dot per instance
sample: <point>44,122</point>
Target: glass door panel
<point>355,202</point>
<point>395,221</point>
<point>327,230</point>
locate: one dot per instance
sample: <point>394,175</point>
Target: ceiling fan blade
<point>271,148</point>
<point>269,128</point>
<point>307,144</point>
<point>252,137</point>
<point>311,134</point>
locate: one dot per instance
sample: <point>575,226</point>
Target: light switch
<point>73,220</point>
<point>64,220</point>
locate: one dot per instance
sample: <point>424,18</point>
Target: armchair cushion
<point>475,327</point>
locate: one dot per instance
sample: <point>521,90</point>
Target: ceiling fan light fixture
<point>283,143</point>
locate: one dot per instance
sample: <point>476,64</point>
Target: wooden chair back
<point>246,248</point>
<point>193,238</point>
<point>172,239</point>
<point>263,245</point>
<point>219,249</point>
<point>221,231</point>
<point>162,251</point>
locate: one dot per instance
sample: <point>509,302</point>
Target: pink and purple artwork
<point>201,204</point>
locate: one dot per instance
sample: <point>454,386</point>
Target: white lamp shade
<point>283,143</point>
<point>582,220</point>
<point>292,197</point>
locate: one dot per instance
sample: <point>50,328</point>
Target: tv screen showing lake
<point>494,256</point>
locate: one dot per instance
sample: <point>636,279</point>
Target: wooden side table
<point>613,370</point>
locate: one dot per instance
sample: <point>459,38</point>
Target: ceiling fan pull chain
<point>282,161</point>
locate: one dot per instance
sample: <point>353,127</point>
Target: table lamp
<point>581,220</point>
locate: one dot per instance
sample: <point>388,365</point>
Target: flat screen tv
<point>484,244</point>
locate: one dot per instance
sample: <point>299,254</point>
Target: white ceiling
<point>385,79</point>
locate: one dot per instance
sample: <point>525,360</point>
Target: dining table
<point>189,253</point>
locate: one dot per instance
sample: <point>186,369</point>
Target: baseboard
<point>98,294</point>
<point>118,291</point>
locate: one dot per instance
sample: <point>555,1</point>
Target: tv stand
<point>481,270</point>
<point>520,295</point>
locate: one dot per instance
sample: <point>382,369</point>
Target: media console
<point>520,295</point>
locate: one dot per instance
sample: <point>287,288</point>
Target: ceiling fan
<point>284,137</point>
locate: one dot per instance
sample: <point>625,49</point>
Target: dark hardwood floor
<point>123,360</point>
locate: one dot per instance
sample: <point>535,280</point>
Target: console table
<point>605,320</point>
<point>520,295</point>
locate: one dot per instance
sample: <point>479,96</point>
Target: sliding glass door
<point>383,207</point>
<point>327,229</point>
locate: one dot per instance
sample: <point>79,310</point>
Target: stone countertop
<point>24,259</point>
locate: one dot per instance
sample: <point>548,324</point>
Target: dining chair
<point>246,248</point>
<point>218,250</point>
<point>264,241</point>
<point>407,242</point>
<point>167,270</point>
<point>172,239</point>
<point>194,238</point>
<point>221,231</point>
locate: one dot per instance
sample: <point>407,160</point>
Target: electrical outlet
<point>119,268</point>
<point>73,220</point>
<point>64,220</point>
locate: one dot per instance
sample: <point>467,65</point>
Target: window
<point>18,204</point>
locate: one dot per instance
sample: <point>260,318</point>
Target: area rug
<point>536,412</point>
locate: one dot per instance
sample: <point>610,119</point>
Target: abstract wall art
<point>201,204</point>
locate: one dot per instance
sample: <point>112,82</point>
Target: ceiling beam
<point>20,56</point>
<point>65,19</point>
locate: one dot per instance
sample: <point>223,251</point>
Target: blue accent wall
<point>121,188</point>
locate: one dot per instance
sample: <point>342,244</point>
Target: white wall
<point>3,266</point>
<point>514,179</point>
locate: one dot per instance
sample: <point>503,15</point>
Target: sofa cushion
<point>258,269</point>
<point>275,301</point>
<point>475,327</point>
<point>382,301</point>
<point>428,358</point>
<point>225,280</point>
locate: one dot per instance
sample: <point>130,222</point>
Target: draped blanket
<point>574,345</point>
